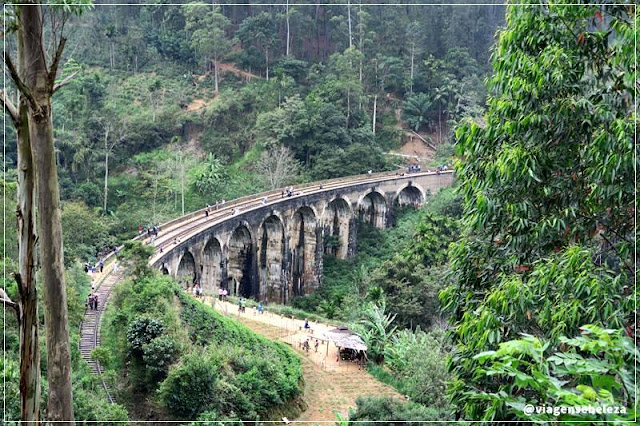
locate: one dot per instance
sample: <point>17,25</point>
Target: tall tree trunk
<point>106,180</point>
<point>375,105</point>
<point>413,49</point>
<point>349,20</point>
<point>360,46</point>
<point>267,56</point>
<point>182,179</point>
<point>348,106</point>
<point>60,404</point>
<point>288,28</point>
<point>440,125</point>
<point>28,301</point>
<point>26,308</point>
<point>155,194</point>
<point>215,73</point>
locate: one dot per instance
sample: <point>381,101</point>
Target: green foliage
<point>141,332</point>
<point>208,176</point>
<point>355,159</point>
<point>159,354</point>
<point>199,361</point>
<point>7,218</point>
<point>548,187</point>
<point>416,110</point>
<point>10,391</point>
<point>375,329</point>
<point>136,254</point>
<point>372,410</point>
<point>207,26</point>
<point>419,361</point>
<point>593,369</point>
<point>85,232</point>
<point>190,388</point>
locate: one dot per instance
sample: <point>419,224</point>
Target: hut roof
<point>345,338</point>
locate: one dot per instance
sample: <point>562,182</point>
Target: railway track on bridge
<point>186,226</point>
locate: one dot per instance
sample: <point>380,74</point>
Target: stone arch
<point>410,195</point>
<point>164,269</point>
<point>211,265</point>
<point>304,242</point>
<point>241,262</point>
<point>336,218</point>
<point>372,209</point>
<point>186,272</point>
<point>271,243</point>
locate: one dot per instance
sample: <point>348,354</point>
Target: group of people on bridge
<point>209,208</point>
<point>150,230</point>
<point>289,192</point>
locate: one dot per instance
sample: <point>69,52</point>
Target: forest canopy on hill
<point>174,107</point>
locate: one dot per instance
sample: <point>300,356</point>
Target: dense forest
<point>173,107</point>
<point>513,289</point>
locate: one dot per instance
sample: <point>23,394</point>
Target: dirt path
<point>329,386</point>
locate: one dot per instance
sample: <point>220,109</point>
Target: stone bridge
<point>270,247</point>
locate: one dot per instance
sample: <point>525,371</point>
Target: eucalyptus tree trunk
<point>349,20</point>
<point>28,300</point>
<point>40,83</point>
<point>413,50</point>
<point>373,125</point>
<point>106,180</point>
<point>361,47</point>
<point>27,306</point>
<point>288,28</point>
<point>106,169</point>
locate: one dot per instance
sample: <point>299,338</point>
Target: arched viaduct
<point>271,247</point>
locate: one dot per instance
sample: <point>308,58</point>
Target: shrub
<point>374,410</point>
<point>419,361</point>
<point>158,355</point>
<point>189,389</point>
<point>141,331</point>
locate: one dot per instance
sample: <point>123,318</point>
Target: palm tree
<point>440,98</point>
<point>416,110</point>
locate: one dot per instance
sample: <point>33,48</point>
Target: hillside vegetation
<point>171,356</point>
